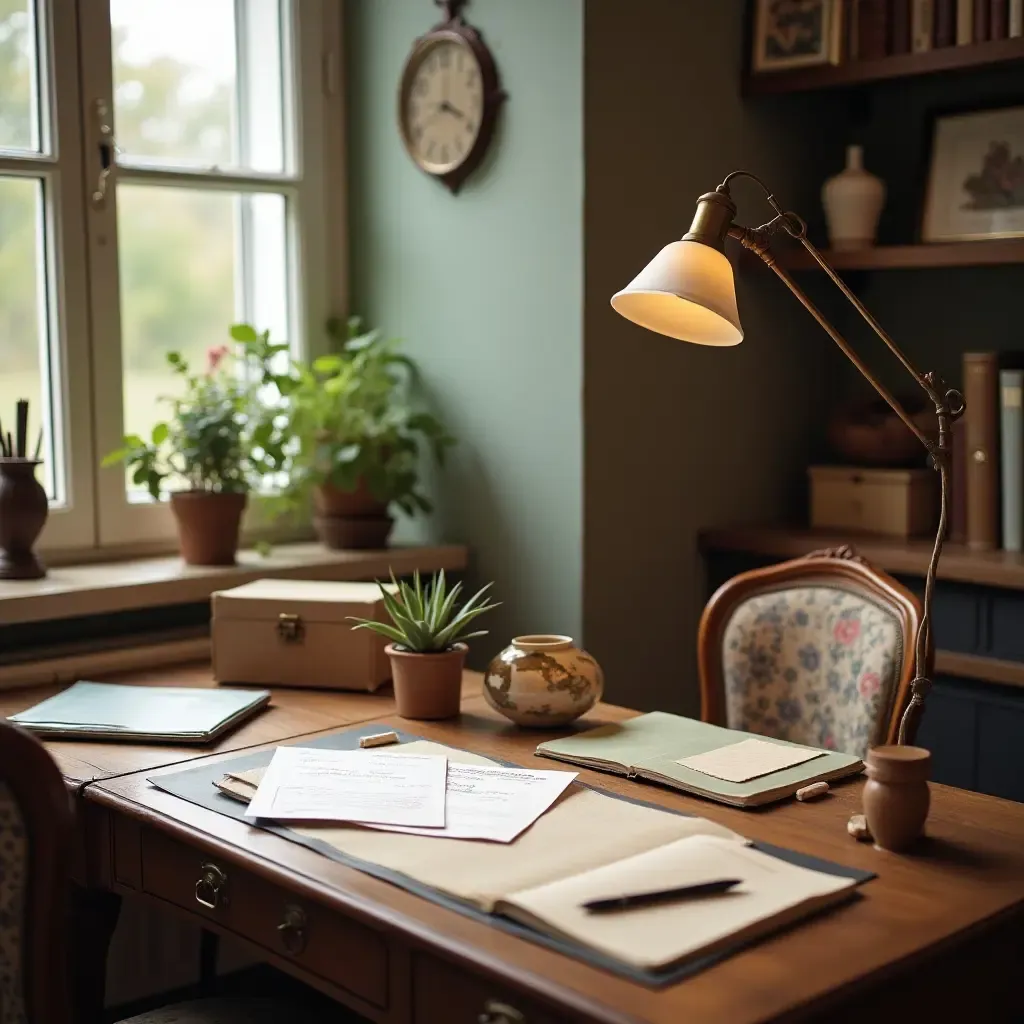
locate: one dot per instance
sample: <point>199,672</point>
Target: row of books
<point>987,464</point>
<point>877,28</point>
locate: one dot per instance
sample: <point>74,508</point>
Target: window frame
<point>84,252</point>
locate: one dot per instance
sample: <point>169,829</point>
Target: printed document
<point>493,803</point>
<point>361,786</point>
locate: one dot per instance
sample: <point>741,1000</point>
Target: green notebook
<point>651,746</point>
<point>164,714</point>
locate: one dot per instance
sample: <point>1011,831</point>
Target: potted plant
<point>427,650</point>
<point>357,436</point>
<point>221,440</point>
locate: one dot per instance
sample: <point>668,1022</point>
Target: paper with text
<point>749,759</point>
<point>493,803</point>
<point>365,786</point>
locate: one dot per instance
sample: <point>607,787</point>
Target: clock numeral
<point>430,149</point>
<point>471,78</point>
<point>459,147</point>
<point>417,132</point>
<point>458,60</point>
<point>422,87</point>
<point>444,58</point>
<point>444,154</point>
<point>470,128</point>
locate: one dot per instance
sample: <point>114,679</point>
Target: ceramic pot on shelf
<point>427,686</point>
<point>350,520</point>
<point>853,202</point>
<point>896,796</point>
<point>209,524</point>
<point>543,680</point>
<point>23,511</point>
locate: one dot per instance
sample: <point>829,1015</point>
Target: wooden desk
<point>941,929</point>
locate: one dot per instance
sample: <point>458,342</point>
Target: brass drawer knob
<point>212,887</point>
<point>496,1012</point>
<point>293,929</point>
<point>290,628</point>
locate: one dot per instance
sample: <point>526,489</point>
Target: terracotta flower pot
<point>208,526</point>
<point>350,520</point>
<point>427,686</point>
<point>23,512</point>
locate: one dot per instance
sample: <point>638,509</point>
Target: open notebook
<point>587,846</point>
<point>165,714</point>
<point>651,747</point>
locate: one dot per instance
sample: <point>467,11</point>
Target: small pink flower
<point>829,742</point>
<point>214,355</point>
<point>869,684</point>
<point>847,630</point>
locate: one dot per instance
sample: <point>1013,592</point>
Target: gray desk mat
<point>196,785</point>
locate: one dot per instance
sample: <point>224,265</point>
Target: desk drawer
<point>319,940</point>
<point>444,993</point>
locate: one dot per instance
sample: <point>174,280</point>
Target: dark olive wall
<point>676,436</point>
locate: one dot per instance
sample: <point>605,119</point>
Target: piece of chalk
<point>813,790</point>
<point>378,739</point>
<point>857,826</point>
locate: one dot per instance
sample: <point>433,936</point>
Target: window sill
<point>102,588</point>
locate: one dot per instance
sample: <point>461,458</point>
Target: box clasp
<point>290,628</point>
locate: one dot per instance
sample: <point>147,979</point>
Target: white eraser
<point>380,739</point>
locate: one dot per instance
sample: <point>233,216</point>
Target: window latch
<point>107,152</point>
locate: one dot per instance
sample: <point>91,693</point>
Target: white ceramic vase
<point>543,680</point>
<point>853,201</point>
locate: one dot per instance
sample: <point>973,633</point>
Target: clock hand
<point>453,110</point>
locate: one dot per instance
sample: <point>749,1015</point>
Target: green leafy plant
<point>225,432</point>
<point>354,422</point>
<point>425,620</point>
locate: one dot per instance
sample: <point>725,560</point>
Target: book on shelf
<point>981,21</point>
<point>922,25</point>
<point>965,22</point>
<point>999,19</point>
<point>899,26</point>
<point>872,29</point>
<point>944,33</point>
<point>1011,427</point>
<point>1015,19</point>
<point>981,434</point>
<point>958,485</point>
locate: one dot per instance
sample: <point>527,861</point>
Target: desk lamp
<point>687,292</point>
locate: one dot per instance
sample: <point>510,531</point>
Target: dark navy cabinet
<point>973,727</point>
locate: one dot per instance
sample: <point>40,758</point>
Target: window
<point>166,169</point>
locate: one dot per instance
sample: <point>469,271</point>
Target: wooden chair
<point>818,650</point>
<point>36,834</point>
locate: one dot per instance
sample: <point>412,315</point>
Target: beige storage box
<point>889,502</point>
<point>297,633</point>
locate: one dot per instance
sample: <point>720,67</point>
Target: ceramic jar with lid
<point>896,796</point>
<point>543,680</point>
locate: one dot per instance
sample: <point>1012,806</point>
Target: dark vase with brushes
<point>23,511</point>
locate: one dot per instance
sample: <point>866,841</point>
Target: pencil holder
<point>23,511</point>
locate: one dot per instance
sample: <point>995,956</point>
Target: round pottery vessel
<point>869,433</point>
<point>353,533</point>
<point>896,795</point>
<point>543,680</point>
<point>427,686</point>
<point>23,512</point>
<point>853,201</point>
<point>208,525</point>
<point>330,501</point>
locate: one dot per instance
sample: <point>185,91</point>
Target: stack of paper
<point>421,794</point>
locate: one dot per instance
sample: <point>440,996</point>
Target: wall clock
<point>449,98</point>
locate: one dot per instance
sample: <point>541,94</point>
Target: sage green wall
<point>487,288</point>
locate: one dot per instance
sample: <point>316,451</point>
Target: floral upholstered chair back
<point>815,651</point>
<point>35,840</point>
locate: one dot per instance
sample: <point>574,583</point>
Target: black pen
<point>649,899</point>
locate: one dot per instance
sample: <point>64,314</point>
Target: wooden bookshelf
<point>903,65</point>
<point>984,253</point>
<point>908,557</point>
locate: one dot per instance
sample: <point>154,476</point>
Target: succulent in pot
<point>428,650</point>
<point>221,440</point>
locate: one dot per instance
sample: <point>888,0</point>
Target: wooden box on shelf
<point>889,502</point>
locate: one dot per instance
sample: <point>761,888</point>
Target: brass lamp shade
<point>687,292</point>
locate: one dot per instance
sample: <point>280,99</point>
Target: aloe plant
<point>424,620</point>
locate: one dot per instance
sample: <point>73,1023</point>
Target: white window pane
<point>199,83</point>
<point>25,370</point>
<point>192,262</point>
<point>19,76</point>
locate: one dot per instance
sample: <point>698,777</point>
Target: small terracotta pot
<point>347,533</point>
<point>896,796</point>
<point>330,501</point>
<point>208,526</point>
<point>427,686</point>
<point>23,511</point>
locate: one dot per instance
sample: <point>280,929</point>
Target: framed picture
<point>796,34</point>
<point>976,177</point>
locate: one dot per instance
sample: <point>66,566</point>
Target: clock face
<point>442,105</point>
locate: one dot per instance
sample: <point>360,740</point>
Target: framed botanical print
<point>796,34</point>
<point>976,177</point>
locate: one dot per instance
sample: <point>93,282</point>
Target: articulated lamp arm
<point>948,403</point>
